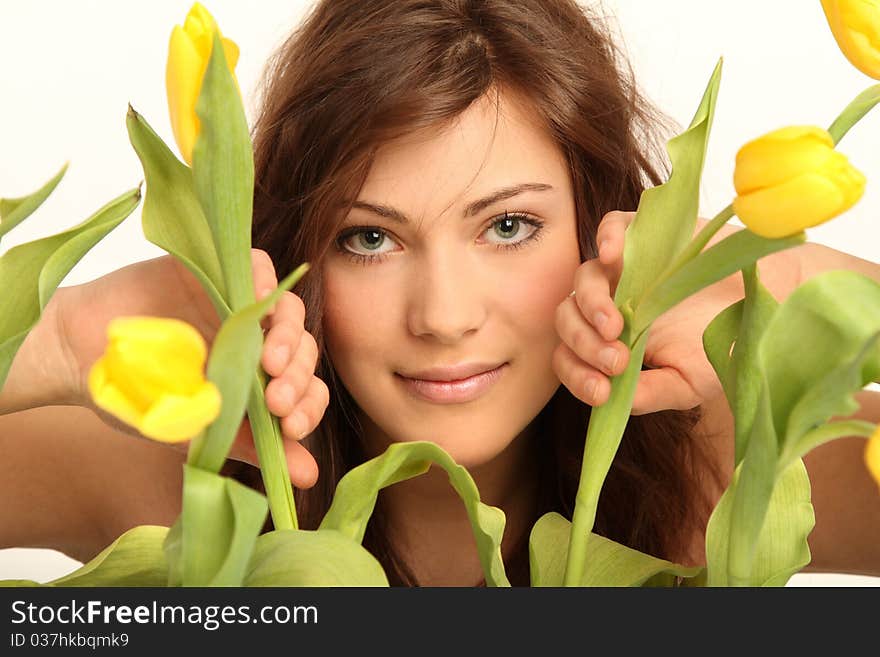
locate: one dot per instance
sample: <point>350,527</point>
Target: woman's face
<point>435,277</point>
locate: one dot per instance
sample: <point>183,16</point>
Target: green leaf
<point>312,558</point>
<point>604,433</point>
<point>356,493</point>
<point>15,210</point>
<point>854,112</point>
<point>223,167</point>
<point>667,214</point>
<point>609,563</point>
<point>30,273</point>
<point>759,307</point>
<point>824,325</point>
<point>782,548</point>
<point>221,521</point>
<point>735,252</point>
<point>753,495</point>
<point>172,217</point>
<point>236,349</point>
<point>719,339</point>
<point>134,559</point>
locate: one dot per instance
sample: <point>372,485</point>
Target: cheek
<point>357,318</point>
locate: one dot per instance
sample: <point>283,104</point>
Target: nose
<point>446,301</point>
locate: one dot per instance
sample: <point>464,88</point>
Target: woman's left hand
<point>681,376</point>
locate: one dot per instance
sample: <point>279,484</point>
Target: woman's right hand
<point>163,287</point>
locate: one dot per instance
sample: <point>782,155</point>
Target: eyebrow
<point>472,209</point>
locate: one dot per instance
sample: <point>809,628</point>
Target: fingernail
<point>599,319</point>
<point>603,244</point>
<point>300,425</point>
<point>608,357</point>
<point>592,389</point>
<point>285,391</point>
<point>265,292</point>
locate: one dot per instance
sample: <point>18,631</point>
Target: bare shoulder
<point>72,483</point>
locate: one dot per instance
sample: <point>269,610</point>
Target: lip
<point>454,391</point>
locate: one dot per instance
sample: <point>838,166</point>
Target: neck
<point>429,526</point>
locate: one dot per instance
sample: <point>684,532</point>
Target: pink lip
<point>453,392</point>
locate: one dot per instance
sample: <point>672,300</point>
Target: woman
<point>449,168</point>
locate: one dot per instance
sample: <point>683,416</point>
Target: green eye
<point>507,227</point>
<point>370,239</point>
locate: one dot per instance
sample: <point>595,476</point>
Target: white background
<point>69,69</point>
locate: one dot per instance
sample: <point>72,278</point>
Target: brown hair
<point>358,73</point>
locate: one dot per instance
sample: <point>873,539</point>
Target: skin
<point>449,289</point>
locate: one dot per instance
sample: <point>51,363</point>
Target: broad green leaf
<point>759,307</point>
<point>19,583</point>
<point>854,112</point>
<point>172,217</point>
<point>823,325</point>
<point>30,273</point>
<point>667,214</point>
<point>134,559</point>
<point>609,563</point>
<point>221,521</point>
<point>782,548</point>
<point>236,349</point>
<point>735,252</point>
<point>832,396</point>
<point>752,496</point>
<point>223,168</point>
<point>356,494</point>
<point>719,339</point>
<point>325,557</point>
<point>15,210</point>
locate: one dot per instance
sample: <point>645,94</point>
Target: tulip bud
<point>188,54</point>
<point>791,179</point>
<point>872,455</point>
<point>855,25</point>
<point>151,377</point>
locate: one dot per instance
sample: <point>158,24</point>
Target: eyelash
<point>363,259</point>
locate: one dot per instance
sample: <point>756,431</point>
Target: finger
<point>587,384</point>
<point>284,391</point>
<point>308,411</point>
<point>663,389</point>
<point>265,279</point>
<point>582,338</point>
<point>592,294</point>
<point>610,238</point>
<point>301,465</point>
<point>285,334</point>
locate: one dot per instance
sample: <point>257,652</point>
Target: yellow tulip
<point>151,377</point>
<point>855,25</point>
<point>188,55</point>
<point>791,179</point>
<point>872,455</point>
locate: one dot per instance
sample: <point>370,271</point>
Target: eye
<point>363,243</point>
<point>513,230</point>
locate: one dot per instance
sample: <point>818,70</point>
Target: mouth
<point>456,391</point>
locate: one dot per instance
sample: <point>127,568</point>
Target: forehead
<point>487,146</point>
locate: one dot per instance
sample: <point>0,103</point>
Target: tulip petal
<point>108,397</point>
<point>855,25</point>
<point>175,418</point>
<point>872,455</point>
<point>183,80</point>
<point>154,329</point>
<point>779,156</point>
<point>786,209</point>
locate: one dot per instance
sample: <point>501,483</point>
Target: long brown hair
<point>357,73</point>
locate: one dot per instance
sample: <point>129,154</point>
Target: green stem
<point>604,433</point>
<point>692,250</point>
<point>854,112</point>
<point>273,460</point>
